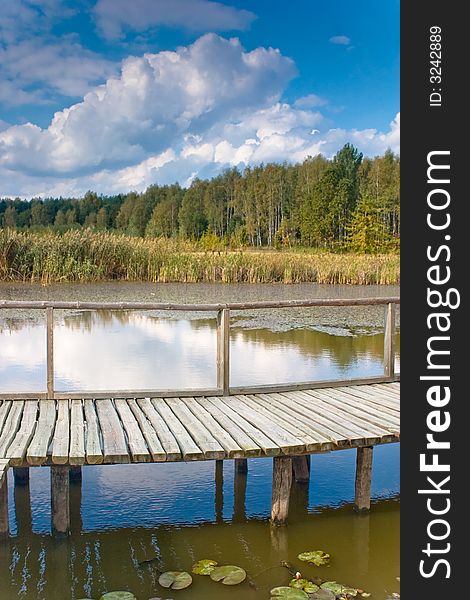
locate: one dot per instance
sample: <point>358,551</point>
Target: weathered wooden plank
<point>166,437</point>
<point>363,479</point>
<point>77,433</point>
<point>135,439</point>
<point>198,431</point>
<point>93,450</point>
<point>155,447</point>
<point>61,439</point>
<point>368,404</point>
<point>345,429</point>
<point>362,410</point>
<point>114,441</point>
<point>287,407</point>
<point>248,447</point>
<point>288,443</point>
<point>350,417</point>
<point>267,445</point>
<point>232,449</point>
<point>189,449</point>
<point>282,482</point>
<point>386,390</point>
<point>62,304</point>
<point>4,410</point>
<point>278,416</point>
<point>37,450</point>
<point>324,426</point>
<point>11,426</point>
<point>360,392</point>
<point>17,450</point>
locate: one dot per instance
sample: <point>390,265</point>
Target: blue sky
<point>114,95</point>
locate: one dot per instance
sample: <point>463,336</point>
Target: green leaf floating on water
<point>304,584</point>
<point>118,596</point>
<point>176,580</point>
<point>228,574</point>
<point>315,557</point>
<point>338,588</point>
<point>204,567</point>
<point>288,593</point>
<point>323,595</point>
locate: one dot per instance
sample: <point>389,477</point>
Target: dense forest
<point>347,203</point>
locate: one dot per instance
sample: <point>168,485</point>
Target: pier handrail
<point>223,311</point>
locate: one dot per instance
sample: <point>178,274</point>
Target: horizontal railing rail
<point>223,311</point>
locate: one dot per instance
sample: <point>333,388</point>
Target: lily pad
<point>288,593</point>
<point>315,557</point>
<point>338,588</point>
<point>118,596</point>
<point>228,574</point>
<point>176,580</point>
<point>323,595</point>
<point>304,584</point>
<point>204,567</point>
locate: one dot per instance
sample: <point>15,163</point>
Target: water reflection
<point>365,552</point>
<point>123,350</point>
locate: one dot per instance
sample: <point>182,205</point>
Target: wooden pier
<point>66,430</point>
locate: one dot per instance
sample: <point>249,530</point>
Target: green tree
<point>192,218</point>
<point>10,217</point>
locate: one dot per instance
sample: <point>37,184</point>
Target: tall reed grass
<point>87,256</point>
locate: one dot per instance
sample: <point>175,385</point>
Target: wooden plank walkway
<point>108,431</point>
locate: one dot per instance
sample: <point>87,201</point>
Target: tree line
<point>346,203</point>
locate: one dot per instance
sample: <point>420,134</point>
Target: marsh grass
<point>87,256</point>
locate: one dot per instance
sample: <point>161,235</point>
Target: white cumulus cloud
<point>156,99</point>
<point>115,17</point>
<point>173,116</point>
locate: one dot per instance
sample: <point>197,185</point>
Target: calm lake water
<point>179,513</point>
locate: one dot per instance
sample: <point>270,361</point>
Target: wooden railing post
<point>223,351</point>
<point>389,340</point>
<point>50,351</point>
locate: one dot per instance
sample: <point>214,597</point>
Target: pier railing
<point>223,312</point>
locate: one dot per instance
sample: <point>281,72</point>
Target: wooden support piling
<point>223,351</point>
<point>282,482</point>
<point>219,490</point>
<point>4,520</point>
<point>239,496</point>
<point>21,475</point>
<point>60,500</point>
<point>241,465</point>
<point>363,478</point>
<point>75,474</point>
<point>24,519</point>
<point>301,468</point>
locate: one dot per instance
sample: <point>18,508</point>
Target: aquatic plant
<point>89,256</point>
<point>176,580</point>
<point>228,574</point>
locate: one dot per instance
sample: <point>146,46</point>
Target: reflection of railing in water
<point>223,344</point>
